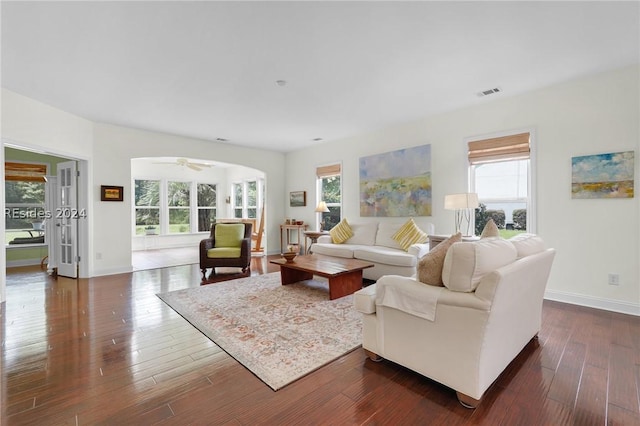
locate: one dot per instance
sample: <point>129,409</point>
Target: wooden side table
<point>434,240</point>
<point>313,236</point>
<point>287,229</point>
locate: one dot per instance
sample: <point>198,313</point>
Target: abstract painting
<point>396,183</point>
<point>603,175</point>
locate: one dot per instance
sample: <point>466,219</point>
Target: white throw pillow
<point>384,237</point>
<point>527,244</point>
<point>467,262</point>
<point>363,233</point>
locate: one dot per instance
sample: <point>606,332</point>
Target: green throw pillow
<point>229,234</point>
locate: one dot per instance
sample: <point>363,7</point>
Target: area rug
<point>280,333</point>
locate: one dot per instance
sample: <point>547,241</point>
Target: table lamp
<point>462,204</point>
<point>322,208</point>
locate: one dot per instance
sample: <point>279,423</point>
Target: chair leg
<point>204,274</point>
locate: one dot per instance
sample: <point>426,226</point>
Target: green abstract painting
<point>396,183</point>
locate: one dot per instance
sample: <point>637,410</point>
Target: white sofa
<point>373,242</point>
<point>465,334</point>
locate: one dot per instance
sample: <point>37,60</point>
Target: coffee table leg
<point>345,284</point>
<point>290,276</point>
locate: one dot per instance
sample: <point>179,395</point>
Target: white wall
<point>591,115</point>
<point>40,127</point>
<point>222,174</point>
<point>115,146</point>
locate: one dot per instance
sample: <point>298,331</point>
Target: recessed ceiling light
<point>281,82</point>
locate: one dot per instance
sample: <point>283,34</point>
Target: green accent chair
<point>228,245</point>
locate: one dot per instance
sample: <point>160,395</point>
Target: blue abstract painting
<point>396,183</point>
<point>603,175</point>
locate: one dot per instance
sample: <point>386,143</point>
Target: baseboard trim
<point>112,271</point>
<point>594,302</point>
<point>23,262</point>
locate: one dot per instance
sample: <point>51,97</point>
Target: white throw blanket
<point>408,295</point>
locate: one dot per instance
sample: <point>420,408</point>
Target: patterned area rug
<point>280,333</point>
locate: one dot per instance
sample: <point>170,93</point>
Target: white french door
<point>66,219</point>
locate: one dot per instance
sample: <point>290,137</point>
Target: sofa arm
<point>418,250</point>
<point>364,300</point>
<point>326,239</point>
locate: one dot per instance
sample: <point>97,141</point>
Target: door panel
<point>66,217</point>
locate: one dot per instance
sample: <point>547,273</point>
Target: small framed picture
<point>111,193</point>
<point>298,198</point>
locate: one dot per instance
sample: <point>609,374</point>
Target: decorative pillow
<point>341,232</point>
<point>229,235</point>
<point>409,234</point>
<point>363,233</point>
<point>527,244</point>
<point>467,262</point>
<point>430,265</point>
<point>490,230</point>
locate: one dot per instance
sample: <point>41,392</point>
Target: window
<point>24,203</point>
<point>207,204</point>
<point>147,205</point>
<point>247,198</point>
<point>171,207</point>
<point>178,201</point>
<point>500,170</point>
<point>252,199</point>
<point>330,191</point>
<point>238,199</point>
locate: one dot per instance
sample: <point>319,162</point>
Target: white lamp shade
<point>322,207</point>
<point>467,200</point>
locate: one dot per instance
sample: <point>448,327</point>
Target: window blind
<point>512,147</point>
<point>25,172</point>
<point>328,171</point>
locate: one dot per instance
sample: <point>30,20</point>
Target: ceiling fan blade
<point>193,167</point>
<point>202,165</point>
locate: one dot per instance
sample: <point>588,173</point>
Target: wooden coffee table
<point>345,275</point>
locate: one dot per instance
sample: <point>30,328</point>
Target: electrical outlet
<point>614,279</point>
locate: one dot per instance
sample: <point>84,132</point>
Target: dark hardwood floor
<point>108,351</point>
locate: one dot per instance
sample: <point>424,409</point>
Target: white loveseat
<point>465,334</point>
<point>373,242</point>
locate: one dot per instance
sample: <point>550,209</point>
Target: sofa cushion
<point>384,255</point>
<point>490,230</point>
<point>409,234</point>
<point>527,244</point>
<point>341,232</point>
<point>224,253</point>
<point>384,236</point>
<point>430,265</point>
<point>467,262</point>
<point>363,233</point>
<point>337,250</point>
<point>229,234</point>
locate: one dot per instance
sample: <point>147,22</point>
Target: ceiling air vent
<point>489,92</point>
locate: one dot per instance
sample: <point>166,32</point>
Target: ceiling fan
<point>186,163</point>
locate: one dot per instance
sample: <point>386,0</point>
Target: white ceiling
<point>208,69</point>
